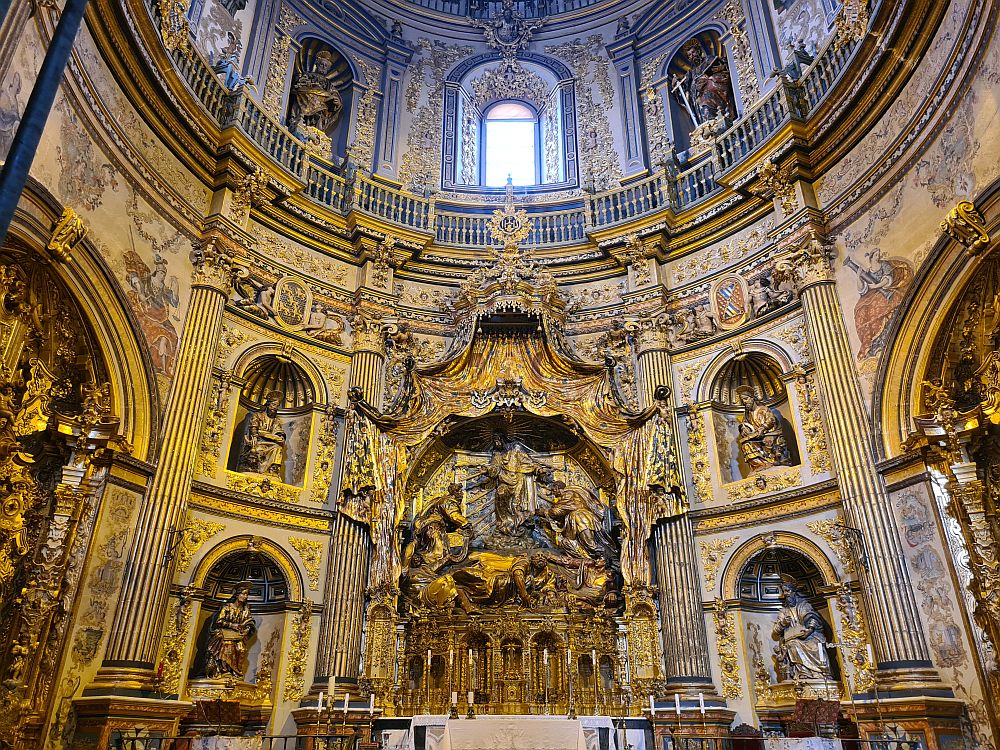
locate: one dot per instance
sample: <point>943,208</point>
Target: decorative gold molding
<point>263,486</point>
<point>713,553</point>
<point>174,28</point>
<point>324,458</point>
<point>68,232</point>
<point>732,13</point>
<point>311,553</point>
<point>277,65</point>
<point>774,181</point>
<point>197,531</point>
<point>254,544</point>
<point>776,540</point>
<point>832,530</point>
<point>795,336</point>
<point>763,513</point>
<point>265,515</point>
<point>854,634</point>
<point>299,648</point>
<point>761,677</point>
<point>851,23</point>
<point>174,643</point>
<point>817,447</point>
<point>770,480</point>
<point>966,226</point>
<point>215,425</point>
<point>701,472</point>
<point>725,643</point>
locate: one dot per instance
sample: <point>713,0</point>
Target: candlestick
<point>871,655</point>
<point>371,704</point>
<point>701,703</point>
<point>677,704</point>
<point>319,703</point>
<point>569,656</point>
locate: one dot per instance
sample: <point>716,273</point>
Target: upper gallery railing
<point>669,186</point>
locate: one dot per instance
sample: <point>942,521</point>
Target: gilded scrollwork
<point>262,486</point>
<point>652,104</point>
<point>701,472</point>
<point>311,553</point>
<point>215,424</point>
<point>812,423</point>
<point>174,643</point>
<point>196,532</point>
<point>68,232</point>
<point>965,225</point>
<point>732,13</point>
<point>713,554</point>
<point>514,82</point>
<point>249,192</point>
<point>851,23</point>
<point>834,531</point>
<point>174,27</point>
<point>298,650</point>
<point>775,182</point>
<point>773,480</point>
<point>854,634</point>
<point>761,676</point>
<point>324,458</point>
<point>363,149</point>
<point>725,642</point>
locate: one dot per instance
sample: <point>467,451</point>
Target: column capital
<point>214,257</point>
<point>810,262</point>
<point>367,329</point>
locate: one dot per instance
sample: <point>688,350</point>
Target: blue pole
<point>29,131</point>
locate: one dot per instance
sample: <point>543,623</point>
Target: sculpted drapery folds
<point>638,445</point>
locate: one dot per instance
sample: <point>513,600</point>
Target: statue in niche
<point>510,477</point>
<point>760,438</point>
<point>573,524</point>
<point>439,527</point>
<point>492,580</point>
<point>801,635</point>
<point>264,439</point>
<point>706,90</point>
<point>316,103</point>
<point>230,630</point>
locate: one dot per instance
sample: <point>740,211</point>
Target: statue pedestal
<point>99,718</point>
<point>227,707</point>
<point>935,720</point>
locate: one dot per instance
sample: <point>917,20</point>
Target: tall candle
<point>701,703</point>
<point>347,702</point>
<point>428,657</point>
<point>332,687</point>
<point>454,698</point>
<point>871,654</point>
<point>545,654</point>
<point>472,697</point>
<point>569,657</point>
<point>451,658</point>
<point>652,706</point>
<point>319,703</point>
<point>371,704</point>
<point>677,704</point>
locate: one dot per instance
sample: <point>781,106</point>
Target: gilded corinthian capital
<point>810,263</point>
<point>213,259</point>
<point>965,224</point>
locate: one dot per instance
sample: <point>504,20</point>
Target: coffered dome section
<point>754,370</point>
<point>273,373</point>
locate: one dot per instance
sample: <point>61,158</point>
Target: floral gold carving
<point>713,553</point>
<point>634,255</point>
<point>298,649</point>
<point>764,481</point>
<point>809,263</point>
<point>311,552</point>
<point>514,82</point>
<point>68,232</point>
<point>795,336</point>
<point>249,192</point>
<point>761,677</point>
<point>774,181</point>
<point>324,457</point>
<point>698,448</point>
<point>725,641</point>
<point>239,510</point>
<point>854,635</point>
<point>277,66</point>
<point>174,28</point>
<point>812,423</point>
<point>851,23</point>
<point>197,531</point>
<point>965,225</point>
<point>732,13</point>
<point>363,150</point>
<point>231,339</point>
<point>262,486</point>
<point>215,423</point>
<point>833,531</point>
<point>709,260</point>
<point>174,643</point>
<point>652,106</point>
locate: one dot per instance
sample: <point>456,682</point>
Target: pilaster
<point>135,632</point>
<point>898,638</point>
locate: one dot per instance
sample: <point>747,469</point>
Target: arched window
<point>510,140</point>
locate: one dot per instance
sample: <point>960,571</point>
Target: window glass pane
<point>509,111</point>
<point>510,150</point>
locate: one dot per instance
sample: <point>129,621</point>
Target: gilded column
<point>135,633</point>
<point>897,634</point>
<point>350,543</point>
<point>682,621</point>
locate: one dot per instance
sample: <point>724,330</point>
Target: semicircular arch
<point>780,539</point>
<point>262,545</point>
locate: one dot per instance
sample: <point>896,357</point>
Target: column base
<point>135,681</point>
<point>99,718</point>
<point>937,721</point>
<point>907,680</point>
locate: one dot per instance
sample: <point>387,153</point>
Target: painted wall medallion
<point>729,301</point>
<point>292,302</point>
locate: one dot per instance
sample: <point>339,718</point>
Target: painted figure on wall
<point>801,635</point>
<point>761,442</point>
<point>230,630</point>
<point>154,295</point>
<point>264,439</point>
<point>10,112</point>
<point>881,284</point>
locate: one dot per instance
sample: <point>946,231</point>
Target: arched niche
<point>273,419</point>
<point>752,417</point>
<point>264,578</point>
<point>320,97</point>
<point>476,85</point>
<point>702,98</point>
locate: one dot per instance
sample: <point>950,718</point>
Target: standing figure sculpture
<point>230,630</point>
<point>316,101</point>
<point>801,636</point>
<point>706,90</point>
<point>510,477</point>
<point>264,439</point>
<point>760,439</point>
<point>574,523</point>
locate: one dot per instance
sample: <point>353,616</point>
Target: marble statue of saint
<point>510,476</point>
<point>317,103</point>
<point>760,439</point>
<point>574,524</point>
<point>264,440</point>
<point>438,528</point>
<point>492,580</point>
<point>801,636</point>
<point>229,632</point>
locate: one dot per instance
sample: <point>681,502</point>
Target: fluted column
<point>135,633</point>
<point>682,619</point>
<point>350,543</point>
<point>896,631</point>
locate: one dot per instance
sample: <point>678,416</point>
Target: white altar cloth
<point>513,733</point>
<point>434,731</point>
<point>802,743</point>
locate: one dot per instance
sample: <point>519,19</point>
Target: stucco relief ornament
<point>508,31</point>
<point>68,232</point>
<point>965,225</point>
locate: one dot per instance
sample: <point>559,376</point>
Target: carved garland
<point>698,448</point>
<point>197,531</point>
<point>812,424</point>
<point>311,552</point>
<point>713,553</point>
<point>725,642</point>
<point>277,66</point>
<point>363,150</point>
<point>299,642</point>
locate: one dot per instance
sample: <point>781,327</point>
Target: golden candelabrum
<point>512,663</point>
